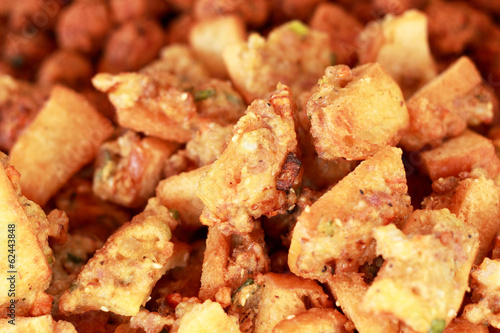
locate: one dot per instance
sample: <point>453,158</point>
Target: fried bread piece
<point>336,232</point>
<point>244,183</point>
<point>355,113</point>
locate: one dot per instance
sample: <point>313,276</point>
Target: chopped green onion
<point>74,259</point>
<point>73,287</point>
<point>437,326</point>
<point>203,94</point>
<point>248,282</point>
<point>333,59</point>
<point>299,28</point>
<point>175,214</point>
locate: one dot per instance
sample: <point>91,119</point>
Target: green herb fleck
<point>299,28</point>
<point>309,117</point>
<point>203,94</point>
<point>17,61</point>
<point>233,98</point>
<point>50,259</point>
<point>333,59</point>
<point>437,326</point>
<point>175,214</point>
<point>73,287</point>
<point>74,259</point>
<point>248,282</point>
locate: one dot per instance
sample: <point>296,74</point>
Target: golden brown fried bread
<point>355,113</point>
<point>336,232</point>
<point>243,183</point>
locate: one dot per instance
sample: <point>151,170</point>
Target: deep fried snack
<point>83,26</point>
<point>313,320</point>
<point>43,323</point>
<point>209,143</point>
<point>33,14</point>
<point>204,318</point>
<point>241,184</point>
<point>343,30</point>
<point>150,321</point>
<point>121,275</point>
<point>148,104</point>
<point>129,10</point>
<point>463,153</point>
<point>210,37</point>
<point>64,136</point>
<point>19,104</point>
<point>131,47</point>
<point>230,261</point>
<point>284,295</point>
<point>253,13</point>
<point>486,286</point>
<point>355,113</point>
<point>396,7</point>
<point>424,278</point>
<point>476,202</point>
<point>349,290</point>
<point>128,169</point>
<point>27,252</point>
<point>65,67</point>
<point>444,106</point>
<point>178,192</point>
<point>462,325</point>
<point>400,45</point>
<point>292,54</point>
<point>336,232</point>
<point>286,10</point>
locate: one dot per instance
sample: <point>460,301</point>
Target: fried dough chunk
<point>128,169</point>
<point>25,270</point>
<point>486,285</point>
<point>41,324</point>
<point>463,153</point>
<point>349,290</point>
<point>292,54</point>
<point>230,261</point>
<point>284,295</point>
<point>462,325</point>
<point>149,104</point>
<point>400,45</point>
<point>19,104</point>
<point>313,320</point>
<point>178,192</point>
<point>66,67</point>
<point>337,230</point>
<point>244,182</point>
<point>120,276</point>
<point>207,317</point>
<point>444,106</point>
<point>253,13</point>
<point>476,201</point>
<point>64,136</point>
<point>209,143</point>
<point>424,278</point>
<point>343,30</point>
<point>355,113</point>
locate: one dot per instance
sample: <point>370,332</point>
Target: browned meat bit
<point>241,184</point>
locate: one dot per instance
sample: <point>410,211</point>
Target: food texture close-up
<point>240,166</point>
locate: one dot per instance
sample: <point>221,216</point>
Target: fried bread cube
<point>349,290</point>
<point>284,295</point>
<point>337,230</point>
<point>313,320</point>
<point>246,181</point>
<point>476,201</point>
<point>444,106</point>
<point>292,54</point>
<point>65,67</point>
<point>149,104</point>
<point>230,261</point>
<point>41,324</point>
<point>63,137</point>
<point>343,30</point>
<point>486,284</point>
<point>425,274</point>
<point>128,169</point>
<point>207,317</point>
<point>209,38</point>
<point>120,276</point>
<point>178,192</point>
<point>209,143</point>
<point>461,154</point>
<point>25,268</point>
<point>355,113</point>
<point>400,45</point>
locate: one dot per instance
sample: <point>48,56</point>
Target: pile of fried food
<point>249,166</point>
